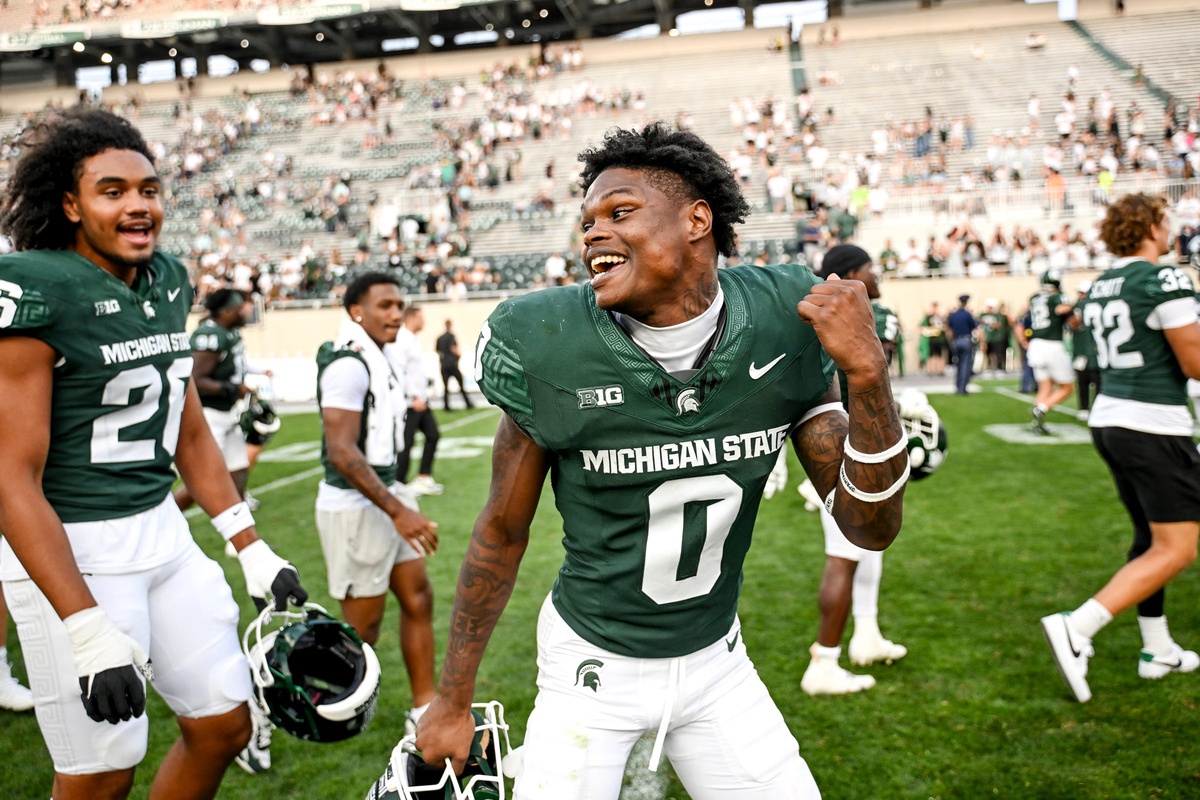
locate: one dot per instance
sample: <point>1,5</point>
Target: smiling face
<point>649,253</point>
<point>117,206</point>
<point>382,311</point>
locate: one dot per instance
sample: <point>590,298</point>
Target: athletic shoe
<point>256,757</point>
<point>866,650</point>
<point>826,676</point>
<point>812,501</point>
<point>1082,416</point>
<point>1178,660</point>
<point>251,502</point>
<point>1071,653</point>
<point>1038,425</point>
<point>423,484</point>
<point>13,696</point>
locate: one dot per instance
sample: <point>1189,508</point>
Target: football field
<point>1011,528</point>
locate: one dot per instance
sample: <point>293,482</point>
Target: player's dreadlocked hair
<point>1128,221</point>
<point>52,154</point>
<point>681,165</point>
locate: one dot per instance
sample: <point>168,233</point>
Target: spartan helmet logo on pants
<point>587,674</point>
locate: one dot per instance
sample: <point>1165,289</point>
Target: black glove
<point>260,565</point>
<point>107,662</point>
<point>114,695</point>
<point>287,585</point>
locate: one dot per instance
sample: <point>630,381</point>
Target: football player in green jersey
<point>99,566</point>
<point>1083,354</point>
<point>852,574</point>
<point>1142,317</point>
<point>219,371</point>
<point>1049,312</point>
<point>657,397</point>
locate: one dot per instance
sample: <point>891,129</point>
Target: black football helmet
<point>927,441</point>
<point>259,422</point>
<point>314,676</point>
<point>408,777</point>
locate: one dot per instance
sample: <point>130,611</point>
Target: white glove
<point>269,576</point>
<point>778,477</point>
<point>105,661</point>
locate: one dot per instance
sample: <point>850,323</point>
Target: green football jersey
<point>119,385</point>
<point>231,359</point>
<point>1083,345</point>
<point>658,480</point>
<point>1044,321</point>
<point>1135,360</point>
<point>887,324</point>
<point>326,355</point>
<point>995,327</point>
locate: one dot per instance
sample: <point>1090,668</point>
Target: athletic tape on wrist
<point>872,497</point>
<point>233,520</point>
<point>875,458</point>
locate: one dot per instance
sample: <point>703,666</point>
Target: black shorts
<point>938,347</point>
<point>1158,477</point>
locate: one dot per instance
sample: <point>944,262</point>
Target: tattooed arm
<point>485,583</point>
<point>842,318</point>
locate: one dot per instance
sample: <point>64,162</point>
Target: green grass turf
<point>1002,535</point>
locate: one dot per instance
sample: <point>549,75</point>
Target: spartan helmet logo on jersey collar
<point>148,309</point>
<point>686,403</point>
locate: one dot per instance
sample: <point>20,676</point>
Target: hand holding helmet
<point>269,576</point>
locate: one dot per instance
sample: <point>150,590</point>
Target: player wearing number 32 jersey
<point>100,569</point>
<point>1142,316</point>
<point>658,397</point>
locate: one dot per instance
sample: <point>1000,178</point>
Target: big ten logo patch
<point>601,397</point>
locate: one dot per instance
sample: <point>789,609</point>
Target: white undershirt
<point>676,347</point>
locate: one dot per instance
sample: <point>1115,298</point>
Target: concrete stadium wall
<point>286,341</point>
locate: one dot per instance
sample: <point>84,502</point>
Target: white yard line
<point>1030,400</point>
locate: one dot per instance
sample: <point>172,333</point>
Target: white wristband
<point>233,520</point>
<point>873,497</point>
<point>875,458</point>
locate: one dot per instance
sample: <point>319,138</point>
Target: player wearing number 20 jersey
<point>658,480</point>
<point>120,382</point>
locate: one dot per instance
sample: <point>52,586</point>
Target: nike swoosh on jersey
<point>758,372</point>
<point>172,294</point>
<point>732,643</point>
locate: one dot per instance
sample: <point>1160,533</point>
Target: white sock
<point>417,712</point>
<point>864,592</point>
<point>820,651</point>
<point>1155,636</point>
<point>1090,617</point>
<point>866,625</point>
<point>4,654</point>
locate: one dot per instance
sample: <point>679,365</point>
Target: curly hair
<point>681,165</point>
<point>53,152</point>
<point>1128,221</point>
